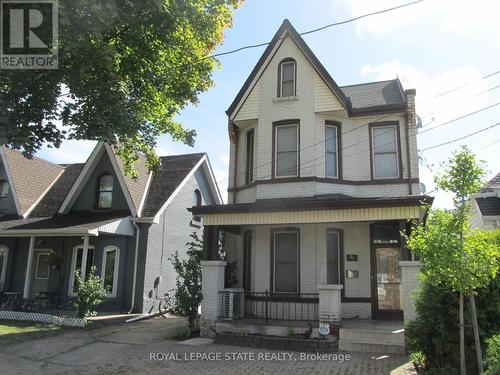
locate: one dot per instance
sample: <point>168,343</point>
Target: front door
<point>388,283</point>
<point>41,272</point>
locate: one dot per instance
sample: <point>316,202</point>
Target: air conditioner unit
<point>233,303</point>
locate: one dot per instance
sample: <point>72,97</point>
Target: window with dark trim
<point>287,150</point>
<point>287,73</point>
<point>286,261</point>
<point>333,256</point>
<point>197,201</point>
<point>105,191</point>
<point>250,155</point>
<point>247,260</point>
<point>385,162</point>
<point>331,150</point>
<point>4,192</point>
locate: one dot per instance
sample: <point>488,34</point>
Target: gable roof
<point>287,28</point>
<point>174,170</point>
<point>373,95</point>
<point>491,185</point>
<point>51,202</point>
<point>21,171</point>
<point>489,206</point>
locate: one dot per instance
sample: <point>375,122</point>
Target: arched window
<point>287,75</point>
<point>4,191</point>
<point>197,201</point>
<point>105,191</point>
<point>109,274</point>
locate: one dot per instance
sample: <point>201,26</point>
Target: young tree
<point>452,254</point>
<point>126,68</point>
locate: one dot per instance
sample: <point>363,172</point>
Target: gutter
<point>134,279</point>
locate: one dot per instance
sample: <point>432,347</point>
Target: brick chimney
<point>410,107</point>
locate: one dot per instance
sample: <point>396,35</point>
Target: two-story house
<point>322,180</point>
<point>57,220</point>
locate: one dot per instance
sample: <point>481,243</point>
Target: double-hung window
<point>4,192</point>
<point>286,261</point>
<point>286,150</point>
<point>250,155</point>
<point>105,192</point>
<point>286,72</point>
<point>385,161</point>
<point>332,150</point>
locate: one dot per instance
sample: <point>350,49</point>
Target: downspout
<point>234,135</point>
<point>134,279</point>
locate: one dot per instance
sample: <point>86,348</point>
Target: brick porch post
<point>330,306</point>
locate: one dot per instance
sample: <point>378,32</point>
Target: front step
<point>372,337</point>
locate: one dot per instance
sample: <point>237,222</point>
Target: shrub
<point>90,294</point>
<point>492,358</point>
<point>435,331</point>
<point>188,282</point>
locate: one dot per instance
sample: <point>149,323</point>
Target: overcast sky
<point>433,46</point>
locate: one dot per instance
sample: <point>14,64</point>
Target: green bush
<point>492,357</point>
<point>435,331</point>
<point>90,294</point>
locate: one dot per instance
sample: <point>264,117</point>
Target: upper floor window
<point>4,191</point>
<point>287,150</point>
<point>105,192</point>
<point>197,201</point>
<point>332,150</point>
<point>287,77</point>
<point>250,155</point>
<point>385,161</point>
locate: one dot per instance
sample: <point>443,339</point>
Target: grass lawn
<point>12,331</point>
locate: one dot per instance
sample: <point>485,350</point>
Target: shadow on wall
<point>153,295</point>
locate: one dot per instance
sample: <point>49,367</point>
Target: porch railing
<point>268,306</point>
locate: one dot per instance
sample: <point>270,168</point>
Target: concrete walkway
<point>147,347</point>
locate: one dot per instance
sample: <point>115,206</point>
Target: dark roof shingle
<point>375,94</point>
<point>489,206</point>
<point>492,184</point>
<point>173,171</point>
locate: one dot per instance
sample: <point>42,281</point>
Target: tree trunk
<point>477,342</point>
<point>462,336</point>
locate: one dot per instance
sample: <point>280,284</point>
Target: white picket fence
<point>43,318</point>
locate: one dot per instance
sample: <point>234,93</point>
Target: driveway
<point>148,347</point>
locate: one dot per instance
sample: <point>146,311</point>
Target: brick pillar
<point>330,306</point>
<point>212,281</point>
<point>410,107</point>
<point>409,283</point>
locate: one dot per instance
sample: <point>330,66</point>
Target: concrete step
<point>373,336</point>
<point>369,347</point>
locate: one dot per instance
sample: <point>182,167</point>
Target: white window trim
<point>328,152</point>
<point>72,271</point>
<point>115,270</point>
<point>396,139</point>
<point>282,63</point>
<point>276,149</point>
<point>41,252</point>
<point>4,267</point>
<point>296,232</point>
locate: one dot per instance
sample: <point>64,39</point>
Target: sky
<point>433,46</point>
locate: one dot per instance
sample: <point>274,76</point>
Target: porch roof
<point>315,209</point>
<point>72,224</point>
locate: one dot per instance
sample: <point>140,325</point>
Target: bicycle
<point>168,304</point>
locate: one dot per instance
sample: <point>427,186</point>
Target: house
<point>59,219</point>
<point>322,180</point>
<point>486,206</point>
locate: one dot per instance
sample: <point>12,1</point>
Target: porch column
<point>212,281</point>
<point>84,256</point>
<point>330,306</point>
<point>211,242</point>
<point>29,268</point>
<point>409,283</point>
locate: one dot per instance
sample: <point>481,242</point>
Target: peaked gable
<point>286,29</point>
<point>29,179</point>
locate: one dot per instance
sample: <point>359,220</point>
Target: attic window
<point>4,191</point>
<point>105,191</point>
<point>287,75</point>
<point>197,201</point>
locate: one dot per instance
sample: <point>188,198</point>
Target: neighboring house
<point>322,179</point>
<point>59,219</point>
<point>486,206</point>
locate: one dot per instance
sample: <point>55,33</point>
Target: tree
<point>452,254</point>
<point>90,293</point>
<point>126,68</point>
<point>188,282</point>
